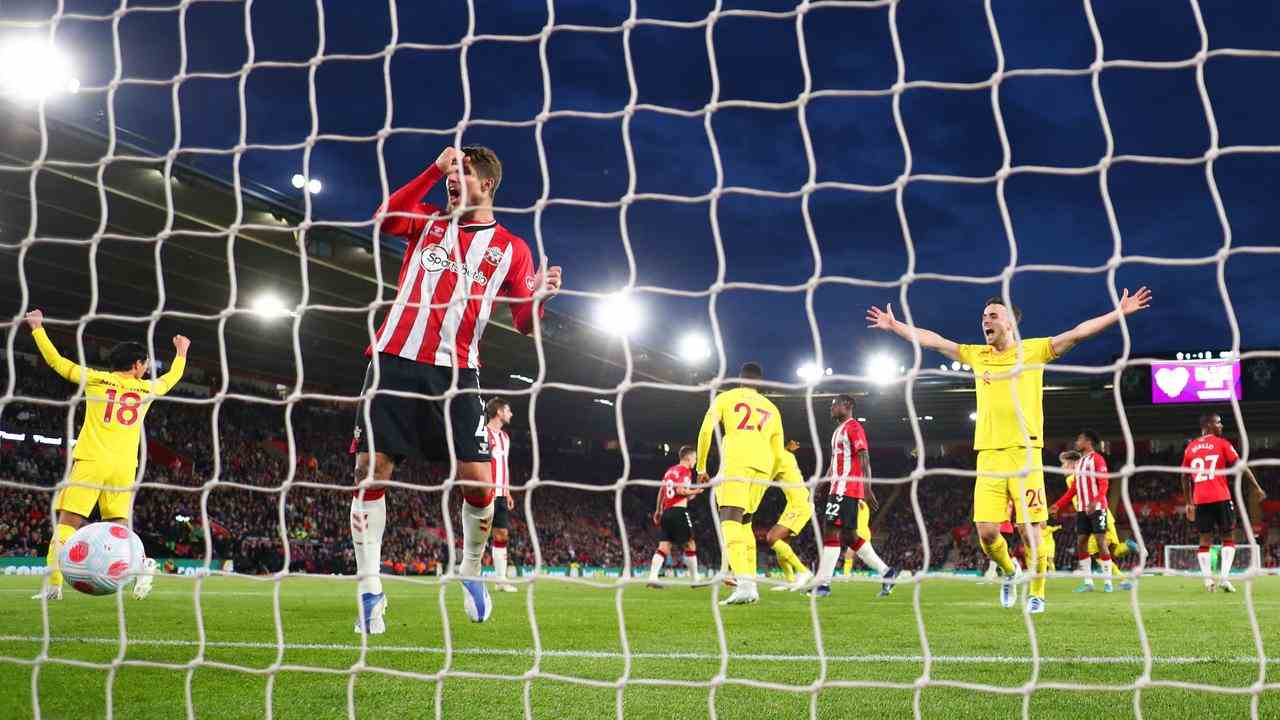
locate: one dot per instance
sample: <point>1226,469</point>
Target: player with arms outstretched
<point>1009,432</point>
<point>845,509</point>
<point>106,452</point>
<point>750,449</point>
<point>795,516</point>
<point>672,515</point>
<point>457,263</point>
<point>1209,503</point>
<point>498,413</point>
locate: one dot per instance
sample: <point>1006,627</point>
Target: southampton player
<point>795,516</point>
<point>106,451</point>
<point>672,515</point>
<point>1209,503</point>
<point>1093,513</point>
<point>750,449</point>
<point>845,510</point>
<point>1085,459</point>
<point>498,413</point>
<point>457,262</point>
<point>1009,432</point>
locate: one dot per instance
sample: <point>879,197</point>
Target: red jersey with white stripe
<point>846,442</point>
<point>1209,457</point>
<point>676,475</point>
<point>499,453</point>
<point>1089,487</point>
<point>450,277</point>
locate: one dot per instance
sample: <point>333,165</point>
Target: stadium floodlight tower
<point>32,69</point>
<point>694,348</point>
<point>619,314</point>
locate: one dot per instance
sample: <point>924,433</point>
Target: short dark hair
<point>1068,455</point>
<point>845,399</point>
<point>686,450</point>
<point>997,300</point>
<point>125,355</point>
<point>1207,418</point>
<point>1092,436</point>
<point>486,164</point>
<point>751,371</point>
<point>492,407</point>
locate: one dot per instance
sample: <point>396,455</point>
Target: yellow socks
<point>60,537</point>
<point>787,559</point>
<point>999,551</point>
<point>741,556</point>
<point>1042,567</point>
<point>848,565</point>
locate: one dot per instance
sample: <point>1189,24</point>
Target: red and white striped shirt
<point>847,441</point>
<point>676,475</point>
<point>450,276</point>
<point>1090,486</point>
<point>499,454</point>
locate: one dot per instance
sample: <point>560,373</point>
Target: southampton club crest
<point>493,255</point>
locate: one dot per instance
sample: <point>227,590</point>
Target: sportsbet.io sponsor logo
<point>436,258</point>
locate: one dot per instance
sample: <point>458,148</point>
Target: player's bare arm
<point>1253,482</point>
<point>884,320</point>
<point>1129,304</point>
<point>864,458</point>
<point>181,344</point>
<point>35,319</point>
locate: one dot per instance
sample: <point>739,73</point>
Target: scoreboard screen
<point>1195,381</point>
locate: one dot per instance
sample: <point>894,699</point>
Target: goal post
<point>1181,559</point>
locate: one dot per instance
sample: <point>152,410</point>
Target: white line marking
<point>610,655</point>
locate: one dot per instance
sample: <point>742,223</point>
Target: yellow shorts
<point>80,499</point>
<point>735,491</point>
<point>864,521</point>
<point>796,516</point>
<point>1113,537</point>
<point>992,495</point>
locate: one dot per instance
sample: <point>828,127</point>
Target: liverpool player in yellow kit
<point>1009,432</point>
<point>106,451</point>
<point>750,449</point>
<point>795,516</point>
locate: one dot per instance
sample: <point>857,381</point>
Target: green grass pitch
<point>670,634</point>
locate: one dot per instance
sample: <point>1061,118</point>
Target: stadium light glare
<point>298,181</point>
<point>269,306</point>
<point>811,373</point>
<point>881,369</point>
<point>314,186</point>
<point>619,314</point>
<point>694,348</point>
<point>973,417</point>
<point>32,69</point>
<point>955,365</point>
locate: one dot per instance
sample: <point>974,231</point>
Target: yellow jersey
<point>752,432</point>
<point>114,408</point>
<point>1075,499</point>
<point>790,480</point>
<point>997,426</point>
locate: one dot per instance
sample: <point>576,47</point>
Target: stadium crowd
<point>256,504</point>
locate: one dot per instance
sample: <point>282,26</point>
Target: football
<point>101,558</point>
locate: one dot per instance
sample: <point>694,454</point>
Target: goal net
<point>759,172</point>
<point>1182,559</point>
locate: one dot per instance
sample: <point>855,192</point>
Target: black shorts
<point>842,512</point>
<point>501,513</point>
<point>412,427</point>
<point>1094,523</point>
<point>1219,516</point>
<point>677,526</point>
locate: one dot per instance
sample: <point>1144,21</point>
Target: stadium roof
<point>186,284</point>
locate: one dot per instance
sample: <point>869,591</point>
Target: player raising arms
<point>106,451</point>
<point>453,270</point>
<point>750,449</point>
<point>672,515</point>
<point>1209,503</point>
<point>845,509</point>
<point>498,413</point>
<point>795,516</point>
<point>1004,443</point>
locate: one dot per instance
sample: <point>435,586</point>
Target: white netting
<point>797,16</point>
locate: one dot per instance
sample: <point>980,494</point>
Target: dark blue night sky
<point>1163,210</point>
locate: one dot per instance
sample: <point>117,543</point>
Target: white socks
<point>1205,567</point>
<point>868,556</point>
<point>500,562</point>
<point>655,565</point>
<point>691,562</point>
<point>1106,571</point>
<point>475,535</point>
<point>368,522</point>
<point>827,564</point>
<point>1084,566</point>
<point>1226,557</point>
